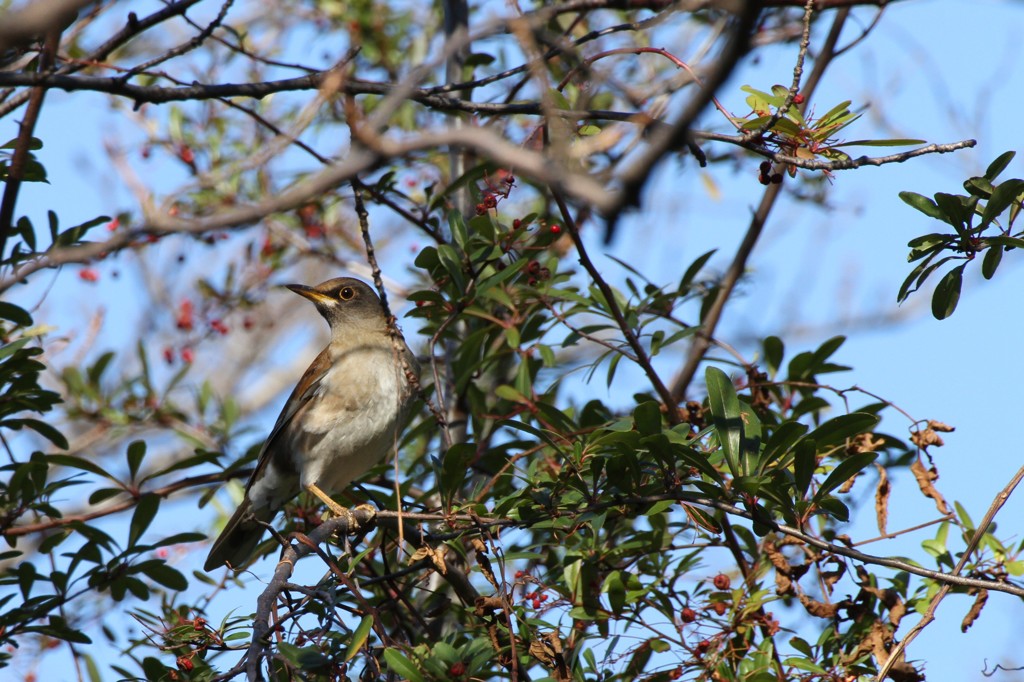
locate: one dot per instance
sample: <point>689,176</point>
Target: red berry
<point>719,608</point>
<point>798,98</point>
<point>516,223</point>
<point>114,224</point>
<point>219,326</point>
<point>556,229</point>
<point>187,355</point>
<point>722,581</point>
<point>184,319</point>
<point>89,274</point>
<point>168,355</point>
<point>688,615</point>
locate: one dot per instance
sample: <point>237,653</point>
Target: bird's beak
<point>312,294</point>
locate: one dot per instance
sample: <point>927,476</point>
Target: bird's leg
<point>331,504</point>
<point>345,513</point>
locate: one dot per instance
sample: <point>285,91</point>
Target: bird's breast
<point>354,419</point>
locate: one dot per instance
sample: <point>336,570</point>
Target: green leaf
<point>895,142</point>
<point>359,637</point>
<point>952,207</point>
<point>1002,196</point>
<point>15,314</point>
<point>694,270</point>
<point>79,463</point>
<point>843,472</point>
<point>993,256</point>
<point>399,664</point>
<point>159,572</point>
<point>454,468</point>
<point>647,417</point>
<point>805,461</point>
<point>725,411</point>
<point>922,204</point>
<point>145,510</point>
<point>136,452</point>
<point>45,430</point>
<point>947,293</point>
<point>836,430</point>
<point>999,165</point>
<point>781,441</point>
<point>773,352</point>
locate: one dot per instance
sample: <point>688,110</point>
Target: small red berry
<point>169,355</point>
<point>187,355</point>
<point>516,224</point>
<point>688,615</point>
<point>89,274</point>
<point>556,229</point>
<point>798,98</point>
<point>219,327</point>
<point>536,603</point>
<point>722,581</point>
<point>457,669</point>
<point>719,607</point>
<point>184,319</point>
<point>114,224</point>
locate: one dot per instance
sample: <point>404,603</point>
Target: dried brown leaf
<point>975,611</point>
<point>436,556</point>
<point>864,442</point>
<point>830,578</point>
<point>925,478</point>
<point>817,608</point>
<point>882,500</point>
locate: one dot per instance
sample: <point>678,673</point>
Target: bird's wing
<point>299,398</point>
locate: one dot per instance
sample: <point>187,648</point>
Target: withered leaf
<point>975,611</point>
<point>882,500</point>
<point>925,478</point>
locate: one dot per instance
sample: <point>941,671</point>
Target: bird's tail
<point>236,543</point>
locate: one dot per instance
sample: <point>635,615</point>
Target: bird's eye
<point>346,294</point>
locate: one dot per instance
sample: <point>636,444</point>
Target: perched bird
<point>342,418</point>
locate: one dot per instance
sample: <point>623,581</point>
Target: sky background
<point>940,70</point>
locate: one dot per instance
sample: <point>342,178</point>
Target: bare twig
<point>16,169</point>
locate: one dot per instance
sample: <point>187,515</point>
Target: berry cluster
<point>766,177</point>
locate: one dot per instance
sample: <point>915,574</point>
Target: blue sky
<point>940,70</point>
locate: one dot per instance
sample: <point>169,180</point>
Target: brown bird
<point>342,418</point>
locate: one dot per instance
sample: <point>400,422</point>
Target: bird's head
<point>345,303</point>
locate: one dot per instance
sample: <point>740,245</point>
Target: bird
<point>344,415</point>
